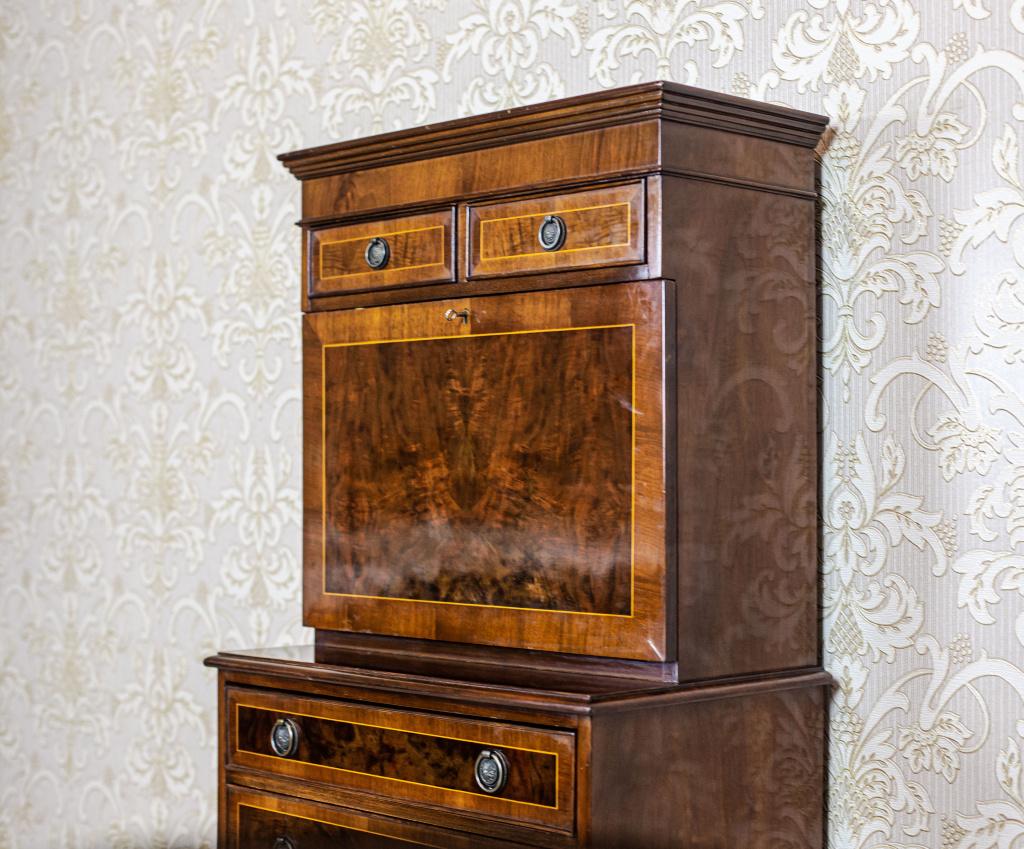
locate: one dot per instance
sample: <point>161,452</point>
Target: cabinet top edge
<point>568,695</point>
<point>661,100</point>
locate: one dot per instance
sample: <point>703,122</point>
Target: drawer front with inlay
<point>522,774</point>
<point>410,251</point>
<point>577,230</point>
<point>267,821</point>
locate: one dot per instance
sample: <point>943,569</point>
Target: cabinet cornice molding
<point>655,101</point>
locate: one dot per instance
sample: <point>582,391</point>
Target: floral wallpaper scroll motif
<point>149,383</point>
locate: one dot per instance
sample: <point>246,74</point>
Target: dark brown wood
<point>603,227</point>
<point>223,732</point>
<point>433,450</point>
<point>476,174</point>
<point>434,657</point>
<point>667,101</point>
<point>742,759</point>
<point>746,403</point>
<point>258,819</point>
<point>420,252</point>
<point>561,503</point>
<point>732,771</point>
<point>405,755</point>
<point>451,494</point>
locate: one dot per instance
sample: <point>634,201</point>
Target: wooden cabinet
<point>560,542</point>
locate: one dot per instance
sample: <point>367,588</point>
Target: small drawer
<point>412,251</point>
<point>599,227</point>
<point>258,820</point>
<point>515,773</point>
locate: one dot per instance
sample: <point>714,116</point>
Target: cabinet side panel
<point>747,427</point>
<point>745,771</point>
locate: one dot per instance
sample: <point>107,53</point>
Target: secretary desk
<point>560,490</point>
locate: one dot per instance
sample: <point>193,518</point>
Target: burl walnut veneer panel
<point>426,479</point>
<point>495,476</point>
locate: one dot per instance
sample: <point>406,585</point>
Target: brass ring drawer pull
<point>377,253</point>
<point>284,738</point>
<point>283,843</point>
<point>551,233</point>
<point>491,771</point>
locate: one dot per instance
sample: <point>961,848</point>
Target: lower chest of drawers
<point>386,762</point>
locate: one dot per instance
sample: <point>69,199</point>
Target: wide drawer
<point>411,251</point>
<point>602,226</point>
<point>266,821</point>
<point>510,772</point>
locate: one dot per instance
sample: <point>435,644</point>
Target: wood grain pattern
<point>727,771</point>
<point>420,252</point>
<point>603,227</point>
<point>747,402</point>
<point>668,101</point>
<point>714,153</point>
<point>261,827</point>
<point>414,756</point>
<point>466,176</point>
<point>468,481</point>
<point>258,819</point>
<point>556,277</point>
<point>736,763</point>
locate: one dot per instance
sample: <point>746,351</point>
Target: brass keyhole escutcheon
<point>452,314</point>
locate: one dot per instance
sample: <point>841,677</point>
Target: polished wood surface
<point>747,440</point>
<point>736,763</point>
<point>424,477</point>
<point>493,479</point>
<point>660,101</point>
<point>420,252</point>
<point>603,226</point>
<point>263,827</point>
<point>556,502</point>
<point>258,820</point>
<point>408,755</point>
<point>733,771</point>
<point>541,164</point>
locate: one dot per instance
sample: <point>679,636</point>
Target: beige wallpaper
<point>149,386</point>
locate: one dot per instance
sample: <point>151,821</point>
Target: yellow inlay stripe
<point>238,822</point>
<point>495,257</point>
<point>322,245</point>
<point>239,705</point>
<point>323,473</point>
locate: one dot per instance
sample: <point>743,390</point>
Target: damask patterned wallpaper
<point>149,384</point>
